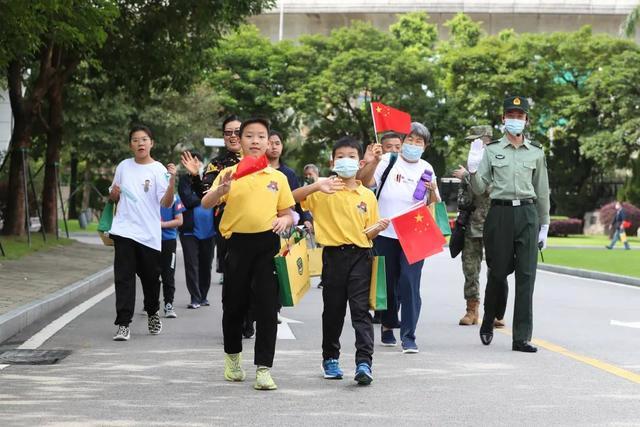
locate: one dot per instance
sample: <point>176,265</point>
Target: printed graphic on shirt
<point>212,168</point>
<point>273,186</point>
<point>147,184</point>
<point>362,207</point>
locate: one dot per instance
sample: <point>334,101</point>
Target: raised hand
<point>225,182</point>
<point>475,155</point>
<point>373,152</point>
<point>191,163</point>
<point>172,170</point>
<point>459,173</point>
<point>330,185</point>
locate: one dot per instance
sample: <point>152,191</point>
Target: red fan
<point>249,165</point>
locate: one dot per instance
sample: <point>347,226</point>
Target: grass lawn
<point>17,247</point>
<point>582,240</point>
<point>618,261</point>
<point>74,227</point>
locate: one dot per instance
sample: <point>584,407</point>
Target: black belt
<point>517,202</point>
<point>345,247</point>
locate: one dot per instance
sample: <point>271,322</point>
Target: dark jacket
<point>190,200</point>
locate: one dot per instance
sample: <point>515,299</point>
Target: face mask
<point>514,126</point>
<point>309,180</point>
<point>411,153</point>
<point>345,167</point>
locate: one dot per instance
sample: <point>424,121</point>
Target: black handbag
<point>456,241</point>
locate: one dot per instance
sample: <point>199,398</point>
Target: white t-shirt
<point>138,211</point>
<point>397,193</point>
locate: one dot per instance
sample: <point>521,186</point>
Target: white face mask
<point>346,167</point>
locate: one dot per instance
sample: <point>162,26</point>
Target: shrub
<point>564,227</point>
<point>608,211</point>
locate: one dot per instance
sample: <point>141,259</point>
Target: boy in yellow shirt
<point>258,208</point>
<point>345,221</point>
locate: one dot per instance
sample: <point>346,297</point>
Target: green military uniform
<point>519,204</point>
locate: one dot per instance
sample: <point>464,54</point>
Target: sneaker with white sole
<point>169,311</point>
<point>154,324</point>
<point>264,380</point>
<point>233,367</point>
<point>122,334</point>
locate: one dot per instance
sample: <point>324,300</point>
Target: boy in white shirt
<point>140,186</point>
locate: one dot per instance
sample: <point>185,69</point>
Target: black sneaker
<point>122,334</point>
<point>154,323</point>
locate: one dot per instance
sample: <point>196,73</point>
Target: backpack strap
<point>385,174</point>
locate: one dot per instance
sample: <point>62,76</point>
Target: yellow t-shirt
<point>342,217</point>
<point>253,201</point>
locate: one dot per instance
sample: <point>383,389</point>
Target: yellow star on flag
<point>378,109</point>
<point>419,218</point>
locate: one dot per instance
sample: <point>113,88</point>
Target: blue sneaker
<point>363,374</point>
<point>409,347</point>
<point>332,369</point>
<point>387,338</point>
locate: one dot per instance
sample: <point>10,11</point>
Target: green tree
<point>628,27</point>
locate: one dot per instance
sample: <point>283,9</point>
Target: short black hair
<point>140,127</point>
<point>231,118</point>
<point>253,120</point>
<point>276,133</point>
<point>347,141</point>
<point>390,135</point>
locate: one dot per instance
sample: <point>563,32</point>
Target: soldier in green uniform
<point>475,207</point>
<point>518,220</point>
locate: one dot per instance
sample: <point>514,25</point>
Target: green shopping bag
<point>439,213</point>
<point>292,269</point>
<point>104,225</point>
<point>378,289</point>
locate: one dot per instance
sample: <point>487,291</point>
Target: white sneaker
<point>169,311</point>
<point>123,333</point>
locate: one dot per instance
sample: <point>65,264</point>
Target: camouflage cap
<point>476,132</point>
<point>516,103</point>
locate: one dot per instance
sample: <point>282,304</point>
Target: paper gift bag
<point>104,225</point>
<point>623,237</point>
<point>315,262</point>
<point>378,290</point>
<point>292,268</point>
<point>439,213</point>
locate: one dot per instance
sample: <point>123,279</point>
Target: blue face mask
<point>346,167</point>
<point>411,153</point>
<point>514,126</point>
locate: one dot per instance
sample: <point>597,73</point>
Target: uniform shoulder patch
<point>535,144</point>
<point>494,141</point>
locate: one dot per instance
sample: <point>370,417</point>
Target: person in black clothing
<point>229,157</point>
<point>618,228</point>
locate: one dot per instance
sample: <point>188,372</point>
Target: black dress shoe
<point>523,346</point>
<point>486,330</point>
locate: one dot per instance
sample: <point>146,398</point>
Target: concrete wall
<point>298,24</point>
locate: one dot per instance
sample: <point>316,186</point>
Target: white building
<point>6,122</point>
<point>533,16</point>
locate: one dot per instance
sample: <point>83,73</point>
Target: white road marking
<point>637,288</point>
<point>52,328</point>
<point>626,324</point>
<point>284,331</point>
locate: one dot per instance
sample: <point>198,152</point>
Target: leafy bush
<point>564,227</point>
<point>608,211</point>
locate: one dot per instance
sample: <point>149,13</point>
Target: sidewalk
<point>35,285</point>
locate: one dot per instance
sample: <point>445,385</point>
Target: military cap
<point>476,132</point>
<point>516,103</point>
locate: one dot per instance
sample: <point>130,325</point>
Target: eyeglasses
<point>136,140</point>
<point>231,132</point>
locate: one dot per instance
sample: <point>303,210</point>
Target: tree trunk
<point>54,142</point>
<point>73,184</point>
<point>86,191</point>
<point>14,222</point>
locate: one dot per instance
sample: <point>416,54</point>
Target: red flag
<point>249,165</point>
<point>386,118</point>
<point>419,234</point>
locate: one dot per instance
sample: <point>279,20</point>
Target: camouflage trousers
<point>471,261</point>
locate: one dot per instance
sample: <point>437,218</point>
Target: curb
<point>588,274</point>
<point>16,320</point>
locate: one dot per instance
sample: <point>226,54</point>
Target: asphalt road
<point>587,371</point>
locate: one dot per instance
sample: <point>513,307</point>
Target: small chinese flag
<point>419,234</point>
<point>249,165</point>
<point>386,118</point>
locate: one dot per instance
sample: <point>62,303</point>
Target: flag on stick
<point>418,233</point>
<point>386,118</point>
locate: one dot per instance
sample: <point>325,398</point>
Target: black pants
<point>221,253</point>
<point>250,276</point>
<point>131,259</point>
<point>346,277</point>
<point>168,269</point>
<point>510,240</point>
<point>198,256</point>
